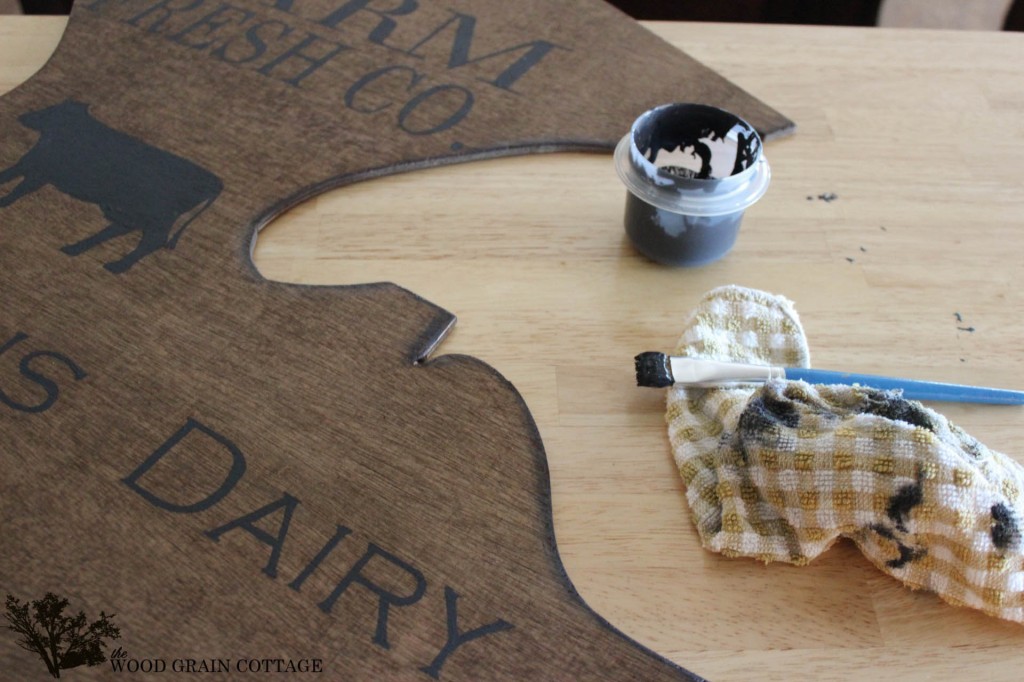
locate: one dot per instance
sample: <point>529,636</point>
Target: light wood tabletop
<point>916,268</point>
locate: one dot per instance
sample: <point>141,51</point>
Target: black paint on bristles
<point>652,370</point>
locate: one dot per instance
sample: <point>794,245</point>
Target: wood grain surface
<point>919,135</point>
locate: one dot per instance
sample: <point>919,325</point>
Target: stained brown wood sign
<point>245,471</point>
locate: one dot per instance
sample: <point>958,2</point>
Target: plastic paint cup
<point>691,171</point>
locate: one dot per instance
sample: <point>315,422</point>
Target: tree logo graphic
<point>61,641</point>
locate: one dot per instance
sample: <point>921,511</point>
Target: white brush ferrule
<point>696,372</point>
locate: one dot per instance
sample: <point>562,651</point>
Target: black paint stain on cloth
<point>973,448</point>
<point>904,501</point>
<point>1005,530</point>
<point>894,407</point>
<point>907,553</point>
<point>765,413</point>
<point>901,504</point>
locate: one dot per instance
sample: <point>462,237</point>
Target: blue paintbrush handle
<point>912,389</point>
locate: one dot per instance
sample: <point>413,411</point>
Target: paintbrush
<point>658,370</point>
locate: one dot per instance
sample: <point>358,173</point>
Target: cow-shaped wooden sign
<point>256,474</point>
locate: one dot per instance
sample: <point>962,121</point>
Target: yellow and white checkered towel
<point>780,471</point>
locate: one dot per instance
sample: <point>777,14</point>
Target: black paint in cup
<point>691,171</point>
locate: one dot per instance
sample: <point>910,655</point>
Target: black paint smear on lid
<point>683,126</point>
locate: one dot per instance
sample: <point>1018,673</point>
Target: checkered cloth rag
<point>780,471</point>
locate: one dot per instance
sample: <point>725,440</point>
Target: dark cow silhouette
<point>136,185</point>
